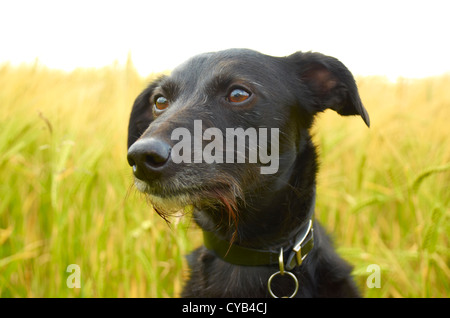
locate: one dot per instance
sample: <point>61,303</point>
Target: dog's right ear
<point>141,114</point>
<point>330,83</point>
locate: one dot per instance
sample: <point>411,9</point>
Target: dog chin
<point>169,205</point>
<point>141,185</point>
<point>173,199</point>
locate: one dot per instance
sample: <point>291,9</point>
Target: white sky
<point>392,38</point>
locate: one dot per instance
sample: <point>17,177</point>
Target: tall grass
<point>66,194</point>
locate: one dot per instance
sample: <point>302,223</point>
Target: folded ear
<point>331,84</point>
<point>141,114</point>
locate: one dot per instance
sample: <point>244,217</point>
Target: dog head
<point>180,124</point>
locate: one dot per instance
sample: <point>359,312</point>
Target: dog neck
<point>290,255</point>
<point>274,219</point>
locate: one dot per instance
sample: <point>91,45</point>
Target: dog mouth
<point>170,199</point>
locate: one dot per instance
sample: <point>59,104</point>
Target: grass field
<point>66,194</point>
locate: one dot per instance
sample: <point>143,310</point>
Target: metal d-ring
<point>282,272</point>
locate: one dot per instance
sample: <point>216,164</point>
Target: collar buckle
<point>301,249</point>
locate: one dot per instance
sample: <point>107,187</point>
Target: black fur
<point>235,201</point>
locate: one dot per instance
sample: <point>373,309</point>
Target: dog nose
<point>147,156</point>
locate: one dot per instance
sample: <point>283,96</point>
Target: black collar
<point>239,255</point>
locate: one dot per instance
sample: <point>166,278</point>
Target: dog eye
<point>238,95</point>
<point>161,103</point>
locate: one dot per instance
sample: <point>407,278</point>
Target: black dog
<point>258,226</point>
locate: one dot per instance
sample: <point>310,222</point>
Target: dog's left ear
<point>331,84</point>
